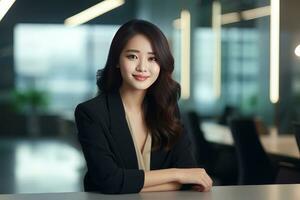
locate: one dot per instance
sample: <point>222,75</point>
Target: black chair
<point>289,171</point>
<point>218,160</point>
<point>202,149</point>
<point>297,133</point>
<point>254,165</point>
<point>228,113</point>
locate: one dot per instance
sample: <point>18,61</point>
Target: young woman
<point>131,134</point>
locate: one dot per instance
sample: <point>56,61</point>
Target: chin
<point>141,86</point>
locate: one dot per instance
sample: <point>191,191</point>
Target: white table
<point>262,192</point>
<point>284,145</point>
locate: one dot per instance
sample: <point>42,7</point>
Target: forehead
<point>139,42</point>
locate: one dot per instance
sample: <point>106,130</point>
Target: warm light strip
<point>274,50</point>
<point>229,18</point>
<point>216,27</point>
<point>256,13</point>
<point>93,12</point>
<point>4,7</point>
<point>185,53</point>
<point>297,51</point>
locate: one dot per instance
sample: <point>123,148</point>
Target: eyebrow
<point>137,51</point>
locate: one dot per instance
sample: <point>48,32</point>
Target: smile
<point>140,78</point>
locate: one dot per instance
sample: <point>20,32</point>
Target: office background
<point>47,68</point>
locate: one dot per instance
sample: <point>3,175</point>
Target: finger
<point>198,188</point>
<point>202,183</point>
<point>207,178</point>
<point>204,179</point>
<point>210,181</point>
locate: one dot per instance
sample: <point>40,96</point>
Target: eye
<point>131,57</point>
<point>152,59</point>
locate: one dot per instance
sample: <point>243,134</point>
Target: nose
<point>142,66</point>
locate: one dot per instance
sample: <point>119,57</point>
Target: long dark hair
<point>160,103</point>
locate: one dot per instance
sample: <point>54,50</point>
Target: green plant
<point>30,100</point>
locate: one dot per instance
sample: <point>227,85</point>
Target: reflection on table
<point>39,165</point>
<point>284,145</point>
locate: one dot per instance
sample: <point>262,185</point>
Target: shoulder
<point>96,102</point>
<point>95,108</point>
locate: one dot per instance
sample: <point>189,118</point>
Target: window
<point>61,61</point>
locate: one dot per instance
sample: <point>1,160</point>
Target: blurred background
<point>232,58</point>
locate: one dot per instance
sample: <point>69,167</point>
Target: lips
<point>140,77</point>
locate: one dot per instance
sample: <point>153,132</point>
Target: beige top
<point>143,158</point>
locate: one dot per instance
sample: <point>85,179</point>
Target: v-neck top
<point>143,157</point>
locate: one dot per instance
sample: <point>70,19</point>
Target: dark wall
<point>6,58</point>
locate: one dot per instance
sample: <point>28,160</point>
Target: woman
<point>131,134</point>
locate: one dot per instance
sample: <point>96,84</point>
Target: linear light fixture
<point>297,51</point>
<point>93,12</point>
<point>255,13</point>
<point>185,24</point>
<point>5,6</point>
<point>229,18</point>
<point>274,50</point>
<point>216,27</point>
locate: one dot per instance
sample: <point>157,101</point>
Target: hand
<point>197,176</point>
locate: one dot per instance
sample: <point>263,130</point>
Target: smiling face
<point>138,66</point>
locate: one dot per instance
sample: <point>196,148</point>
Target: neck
<point>132,99</point>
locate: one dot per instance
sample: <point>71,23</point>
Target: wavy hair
<point>160,103</point>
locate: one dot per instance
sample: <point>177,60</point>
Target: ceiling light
<point>93,12</point>
<point>274,50</point>
<point>229,18</point>
<point>256,13</point>
<point>297,50</point>
<point>217,20</point>
<point>185,24</point>
<point>4,7</point>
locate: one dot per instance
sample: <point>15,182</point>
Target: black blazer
<point>109,150</point>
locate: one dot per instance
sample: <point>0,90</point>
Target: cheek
<point>156,70</point>
<point>125,67</point>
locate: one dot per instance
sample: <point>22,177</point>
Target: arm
<point>161,180</point>
<point>184,160</point>
<point>163,187</point>
<point>186,171</point>
<point>172,179</point>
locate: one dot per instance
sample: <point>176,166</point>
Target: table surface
<point>262,192</point>
<point>284,145</point>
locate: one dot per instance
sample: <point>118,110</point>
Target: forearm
<point>171,179</point>
<point>160,177</point>
<point>162,187</point>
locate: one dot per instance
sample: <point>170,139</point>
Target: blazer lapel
<point>120,131</point>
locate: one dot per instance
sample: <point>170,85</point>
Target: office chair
<point>202,149</point>
<point>289,173</point>
<point>218,161</point>
<point>254,165</point>
<point>228,112</point>
<point>297,133</point>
